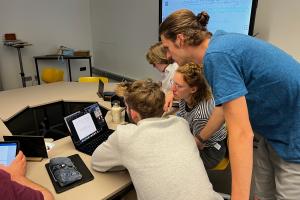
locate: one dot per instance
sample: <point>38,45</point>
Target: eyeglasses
<point>176,85</point>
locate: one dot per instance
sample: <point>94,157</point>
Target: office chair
<point>93,79</point>
<point>222,165</point>
<point>221,170</point>
<point>225,196</point>
<point>52,74</point>
<point>221,173</point>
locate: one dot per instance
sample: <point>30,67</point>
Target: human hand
<point>200,145</point>
<point>17,167</point>
<point>168,101</point>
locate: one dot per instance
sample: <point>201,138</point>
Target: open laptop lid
<point>85,124</point>
<point>100,89</point>
<point>106,91</point>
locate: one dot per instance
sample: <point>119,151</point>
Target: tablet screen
<point>8,151</point>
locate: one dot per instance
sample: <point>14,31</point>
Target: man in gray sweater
<point>160,153</point>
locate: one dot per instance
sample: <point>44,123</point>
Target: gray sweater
<point>161,157</point>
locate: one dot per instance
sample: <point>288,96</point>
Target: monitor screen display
<point>229,15</point>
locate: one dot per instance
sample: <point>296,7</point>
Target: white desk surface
<point>14,101</point>
<point>103,186</point>
<point>3,130</point>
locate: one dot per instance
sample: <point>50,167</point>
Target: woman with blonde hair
<point>157,57</point>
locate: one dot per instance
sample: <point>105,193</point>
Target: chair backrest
<point>52,74</point>
<point>222,165</point>
<point>93,79</point>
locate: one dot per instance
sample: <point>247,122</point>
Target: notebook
<point>33,147</point>
<point>88,128</point>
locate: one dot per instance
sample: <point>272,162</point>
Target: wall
<point>122,31</point>
<point>46,24</point>
<point>277,21</point>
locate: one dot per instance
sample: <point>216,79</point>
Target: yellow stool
<point>222,165</point>
<point>93,79</point>
<point>52,74</point>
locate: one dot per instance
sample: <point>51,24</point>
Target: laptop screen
<point>84,126</point>
<point>86,123</point>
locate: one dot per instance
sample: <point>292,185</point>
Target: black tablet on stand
<point>33,147</point>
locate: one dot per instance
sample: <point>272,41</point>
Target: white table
<point>14,101</point>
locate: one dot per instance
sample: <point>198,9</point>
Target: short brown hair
<point>145,97</point>
<point>187,23</point>
<point>157,54</point>
<point>193,75</point>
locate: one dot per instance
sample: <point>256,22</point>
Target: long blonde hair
<point>157,55</point>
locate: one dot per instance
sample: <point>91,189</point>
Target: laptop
<point>100,89</point>
<point>88,128</point>
<point>106,95</point>
<point>33,147</point>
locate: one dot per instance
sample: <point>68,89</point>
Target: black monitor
<point>229,15</point>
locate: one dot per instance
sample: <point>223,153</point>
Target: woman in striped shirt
<point>197,107</point>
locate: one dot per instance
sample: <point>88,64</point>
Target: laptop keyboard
<point>90,147</point>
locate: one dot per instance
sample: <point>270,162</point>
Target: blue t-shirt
<point>239,65</point>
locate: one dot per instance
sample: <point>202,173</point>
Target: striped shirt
<point>198,117</point>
